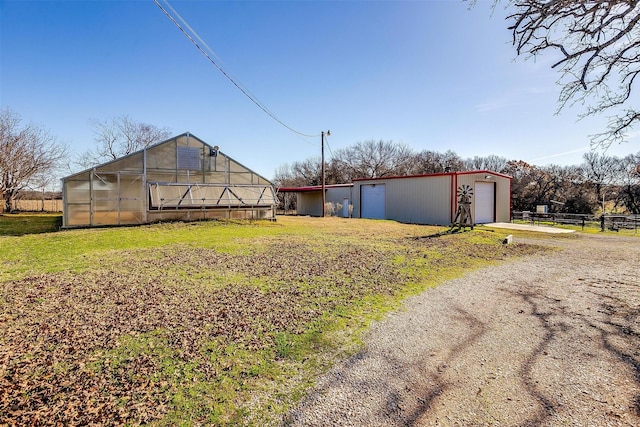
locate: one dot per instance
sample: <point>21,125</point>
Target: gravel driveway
<point>551,340</point>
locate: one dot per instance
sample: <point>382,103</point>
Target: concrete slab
<point>528,227</point>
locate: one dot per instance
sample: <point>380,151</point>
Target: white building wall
<point>337,196</point>
<point>432,199</point>
<point>309,203</point>
<point>418,200</point>
<point>502,194</point>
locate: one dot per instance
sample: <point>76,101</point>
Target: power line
<point>227,76</point>
<point>329,147</point>
<point>186,24</point>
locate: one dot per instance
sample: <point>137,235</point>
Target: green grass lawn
<point>217,323</point>
<point>29,223</point>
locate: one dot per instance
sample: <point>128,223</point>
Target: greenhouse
<point>182,178</point>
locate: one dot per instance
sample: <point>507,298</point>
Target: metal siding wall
<point>503,199</point>
<point>502,195</point>
<point>310,203</point>
<point>337,195</point>
<point>356,200</point>
<point>419,200</point>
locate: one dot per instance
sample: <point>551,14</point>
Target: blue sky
<point>430,74</point>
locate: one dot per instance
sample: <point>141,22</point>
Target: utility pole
<point>322,168</point>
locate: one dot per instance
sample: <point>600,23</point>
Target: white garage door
<point>485,196</point>
<point>372,200</point>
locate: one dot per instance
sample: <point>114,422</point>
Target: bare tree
<point>572,190</point>
<point>83,161</point>
<point>490,162</point>
<point>310,170</point>
<point>26,153</point>
<point>42,182</point>
<point>375,159</point>
<point>530,185</point>
<point>283,177</point>
<point>428,161</point>
<point>598,43</point>
<point>299,173</point>
<point>119,136</point>
<point>630,183</point>
<point>600,171</point>
<point>542,186</point>
<point>534,185</point>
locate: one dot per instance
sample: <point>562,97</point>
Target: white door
<point>484,202</point>
<point>372,201</point>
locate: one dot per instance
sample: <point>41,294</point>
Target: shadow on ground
<point>610,325</point>
<point>25,223</point>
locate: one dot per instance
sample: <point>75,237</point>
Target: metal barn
<point>432,199</point>
<point>182,178</point>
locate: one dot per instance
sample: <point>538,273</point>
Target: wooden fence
<point>48,205</point>
<point>604,222</point>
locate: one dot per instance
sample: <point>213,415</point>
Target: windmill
<point>463,216</point>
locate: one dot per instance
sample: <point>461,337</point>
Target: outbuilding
<point>421,199</point>
<point>309,199</point>
<point>182,178</point>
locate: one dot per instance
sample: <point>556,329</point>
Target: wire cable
<point>225,74</point>
<point>186,24</point>
<point>326,141</point>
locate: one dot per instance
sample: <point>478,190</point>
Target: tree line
<point>600,182</point>
<point>598,58</point>
<point>32,159</point>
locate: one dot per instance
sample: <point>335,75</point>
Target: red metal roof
<point>435,174</point>
<point>310,188</point>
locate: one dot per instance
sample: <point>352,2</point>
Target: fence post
<point>582,223</point>
<point>602,223</point>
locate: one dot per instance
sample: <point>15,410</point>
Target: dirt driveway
<point>551,340</point>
